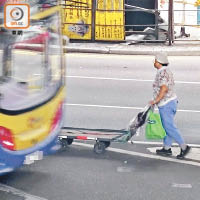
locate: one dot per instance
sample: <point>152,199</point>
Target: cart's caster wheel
<point>107,144</point>
<point>99,147</point>
<point>69,141</point>
<point>66,141</point>
<point>63,142</point>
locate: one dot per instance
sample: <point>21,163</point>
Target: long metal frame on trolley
<point>102,137</point>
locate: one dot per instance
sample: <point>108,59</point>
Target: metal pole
<point>171,23</point>
<point>156,19</point>
<point>94,4</point>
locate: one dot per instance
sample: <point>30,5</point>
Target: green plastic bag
<point>154,128</point>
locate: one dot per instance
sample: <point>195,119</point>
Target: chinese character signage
<point>77,19</point>
<point>109,20</point>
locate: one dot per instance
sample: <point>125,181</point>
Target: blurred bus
<point>32,87</point>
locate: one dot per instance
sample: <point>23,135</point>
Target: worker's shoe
<point>184,153</point>
<point>164,152</point>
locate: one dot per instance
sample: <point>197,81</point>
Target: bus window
<point>35,70</point>
<point>54,49</point>
<point>27,67</point>
<point>55,58</point>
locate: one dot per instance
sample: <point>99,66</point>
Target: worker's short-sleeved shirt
<point>164,77</point>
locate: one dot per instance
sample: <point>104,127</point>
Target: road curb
<point>170,52</point>
<point>134,50</point>
<point>69,49</point>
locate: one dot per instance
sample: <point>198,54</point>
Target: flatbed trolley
<point>102,137</point>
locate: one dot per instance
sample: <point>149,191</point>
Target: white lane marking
<point>127,79</point>
<point>160,143</point>
<point>178,185</point>
<point>19,193</point>
<point>122,107</point>
<point>194,154</point>
<point>124,79</point>
<point>103,106</point>
<point>133,153</point>
<point>124,169</point>
<point>192,111</point>
<point>113,79</point>
<point>187,82</point>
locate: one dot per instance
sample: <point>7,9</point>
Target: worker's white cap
<point>161,57</point>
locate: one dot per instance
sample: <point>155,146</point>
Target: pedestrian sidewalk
<point>183,48</point>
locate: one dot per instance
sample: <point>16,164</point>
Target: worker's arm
<point>163,91</point>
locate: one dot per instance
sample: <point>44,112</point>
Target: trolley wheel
<point>69,141</point>
<point>65,142</point>
<point>99,147</point>
<point>107,143</point>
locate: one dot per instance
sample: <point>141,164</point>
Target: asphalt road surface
<point>106,91</point>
